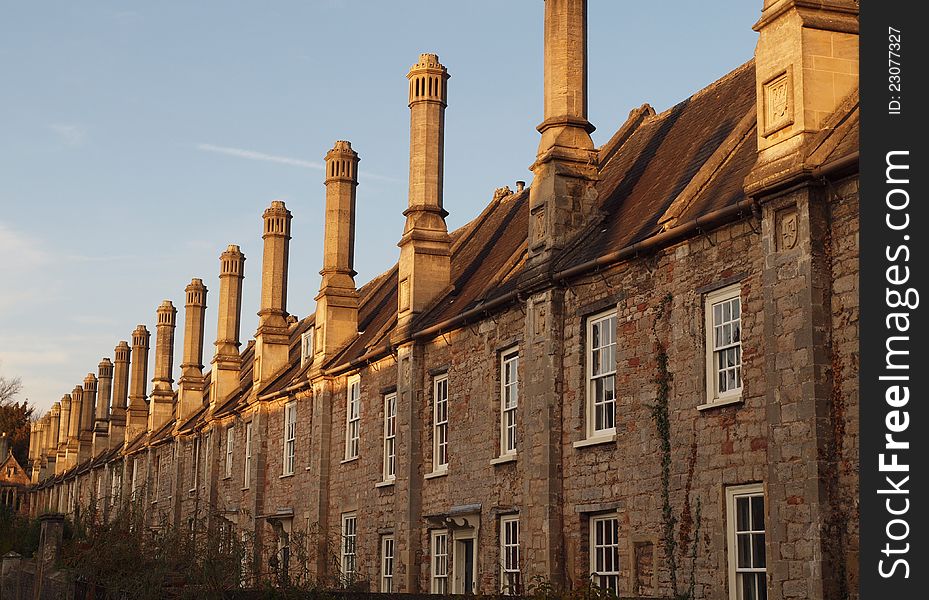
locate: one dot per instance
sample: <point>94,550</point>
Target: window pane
<point>742,522</point>
<point>757,513</point>
<point>748,587</point>
<point>758,556</point>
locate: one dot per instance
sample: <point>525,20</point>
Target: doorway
<point>465,581</point>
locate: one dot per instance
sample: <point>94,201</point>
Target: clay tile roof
<point>657,161</point>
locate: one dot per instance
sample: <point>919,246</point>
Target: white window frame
<point>116,477</point>
<point>349,554</point>
<point>390,436</point>
<point>290,438</point>
<point>439,542</point>
<point>604,551</point>
<point>720,298</point>
<point>306,347</point>
<point>134,487</point>
<point>230,446</point>
<point>248,455</point>
<point>736,573</point>
<point>510,575</point>
<point>440,423</point>
<point>509,400</point>
<point>388,551</point>
<point>156,477</point>
<point>195,460</point>
<point>353,417</point>
<point>605,373</point>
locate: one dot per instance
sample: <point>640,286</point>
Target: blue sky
<point>138,139</point>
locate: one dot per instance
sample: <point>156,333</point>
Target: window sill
<point>502,460</point>
<point>385,483</point>
<point>348,460</point>
<point>434,474</point>
<point>246,488</point>
<point>721,402</point>
<point>596,440</point>
<point>286,475</point>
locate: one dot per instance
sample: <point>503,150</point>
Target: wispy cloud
<point>252,155</point>
<point>284,160</point>
<point>69,134</point>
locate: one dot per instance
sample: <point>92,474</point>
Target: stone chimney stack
<point>806,64</point>
<point>337,301</point>
<point>137,412</point>
<point>36,431</point>
<point>64,419</point>
<point>562,197</point>
<point>161,404</point>
<point>104,390</point>
<point>272,342</point>
<point>88,406</point>
<point>424,270</point>
<point>77,410</point>
<point>190,385</point>
<point>117,423</point>
<point>51,436</point>
<point>226,361</point>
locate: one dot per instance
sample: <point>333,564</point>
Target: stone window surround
<point>608,435</point>
<point>437,468</point>
<point>230,445</point>
<point>438,570</point>
<point>506,542</point>
<point>388,552</point>
<point>733,492</point>
<point>349,543</point>
<point>593,520</point>
<point>390,438</point>
<point>724,290</point>
<point>352,420</point>
<point>248,455</point>
<point>506,356</point>
<point>290,441</point>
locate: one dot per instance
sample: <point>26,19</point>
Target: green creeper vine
<point>689,521</point>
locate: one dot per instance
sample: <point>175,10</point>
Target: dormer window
<point>306,347</point>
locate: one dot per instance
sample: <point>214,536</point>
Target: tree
<point>9,387</point>
<point>15,418</point>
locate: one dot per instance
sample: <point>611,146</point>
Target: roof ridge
<point>749,64</point>
<point>636,117</point>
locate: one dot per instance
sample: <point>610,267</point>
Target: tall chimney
<point>190,385</point>
<point>161,404</point>
<point>806,64</point>
<point>77,412</point>
<point>53,432</point>
<point>64,419</point>
<point>117,423</point>
<point>104,389</point>
<point>562,197</point>
<point>337,301</point>
<point>89,403</point>
<point>137,412</point>
<point>88,406</point>
<point>36,431</point>
<point>226,362</point>
<point>272,343</point>
<point>424,269</point>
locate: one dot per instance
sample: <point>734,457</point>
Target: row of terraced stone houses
<point>484,412</point>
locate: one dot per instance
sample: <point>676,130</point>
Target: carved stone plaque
<point>777,94</point>
<point>404,295</point>
<point>538,227</point>
<point>787,229</point>
<point>539,321</point>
